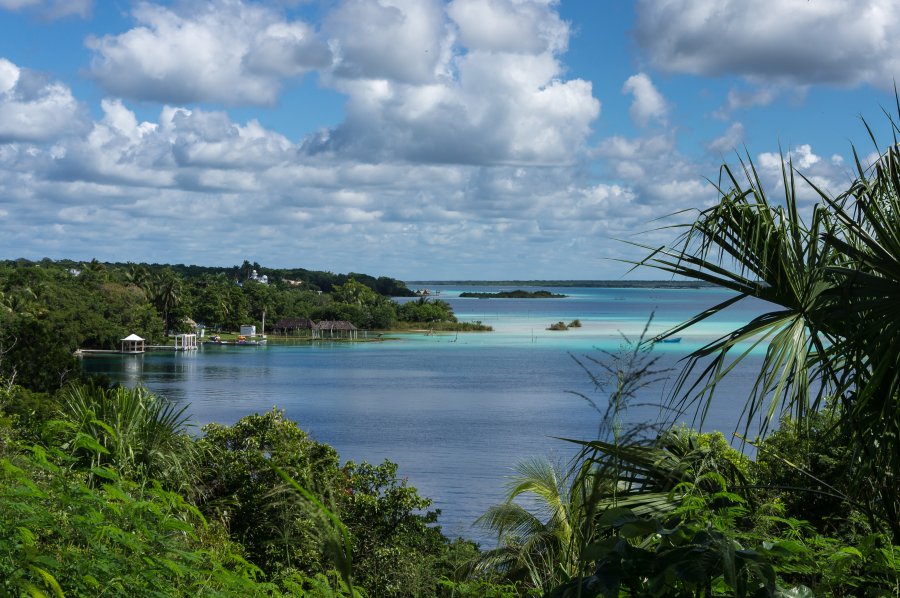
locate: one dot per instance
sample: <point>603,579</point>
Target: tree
<point>836,332</point>
<point>240,488</point>
<point>538,545</point>
<point>141,435</point>
<point>354,293</point>
<point>397,549</point>
<point>167,294</point>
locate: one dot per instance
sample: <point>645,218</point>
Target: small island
<point>517,294</point>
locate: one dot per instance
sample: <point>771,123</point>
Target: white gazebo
<point>132,344</point>
<point>185,342</point>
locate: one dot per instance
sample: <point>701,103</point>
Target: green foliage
<point>426,310</point>
<point>397,550</point>
<point>558,326</point>
<point>48,313</point>
<point>240,488</point>
<point>806,467</point>
<point>476,589</point>
<point>61,536</point>
<point>537,546</point>
<point>333,532</point>
<point>683,514</point>
<point>141,435</point>
<point>394,547</point>
<point>517,294</point>
<point>835,281</point>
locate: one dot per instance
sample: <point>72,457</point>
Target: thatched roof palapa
<point>294,324</point>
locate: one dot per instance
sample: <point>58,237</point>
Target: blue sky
<point>420,139</point>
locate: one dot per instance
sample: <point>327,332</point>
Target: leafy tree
<point>426,310</point>
<point>397,551</point>
<point>61,536</point>
<point>240,488</point>
<point>354,293</point>
<point>537,544</point>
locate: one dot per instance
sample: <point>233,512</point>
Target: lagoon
<point>456,412</point>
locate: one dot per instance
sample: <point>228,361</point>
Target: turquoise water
<point>456,412</point>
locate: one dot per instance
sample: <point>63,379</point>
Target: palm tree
<point>140,434</point>
<point>167,292</point>
<point>835,329</point>
<point>538,546</point>
<point>140,276</point>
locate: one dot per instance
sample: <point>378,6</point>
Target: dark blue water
<point>455,411</point>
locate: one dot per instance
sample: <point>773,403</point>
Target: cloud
<point>222,51</point>
<point>509,26</point>
<point>397,40</point>
<point>465,147</point>
<point>187,149</point>
<point>648,104</point>
<point>742,99</point>
<point>149,181</point>
<point>792,42</point>
<point>662,180</point>
<point>32,108</point>
<point>494,102</point>
<point>829,175</point>
<point>469,82</point>
<point>52,9</point>
<point>728,141</point>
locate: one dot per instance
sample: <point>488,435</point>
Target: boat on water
<point>668,341</point>
<point>241,341</point>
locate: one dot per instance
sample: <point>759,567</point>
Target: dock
<point>82,352</point>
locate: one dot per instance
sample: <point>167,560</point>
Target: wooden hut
<point>335,329</point>
<point>132,344</point>
<point>293,325</point>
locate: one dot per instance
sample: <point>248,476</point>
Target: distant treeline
<point>316,280</point>
<point>599,284</point>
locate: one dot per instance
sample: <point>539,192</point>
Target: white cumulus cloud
<point>397,40</point>
<point>795,42</point>
<point>223,51</point>
<point>32,108</point>
<point>509,26</point>
<point>647,103</point>
<point>491,102</point>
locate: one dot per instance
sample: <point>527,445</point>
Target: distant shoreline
<point>603,284</point>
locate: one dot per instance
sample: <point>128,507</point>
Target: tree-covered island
<point>517,294</point>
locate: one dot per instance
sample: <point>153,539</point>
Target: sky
<point>418,139</point>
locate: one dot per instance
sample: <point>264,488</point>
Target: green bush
<point>59,535</point>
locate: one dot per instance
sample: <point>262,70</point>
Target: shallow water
<point>456,412</point>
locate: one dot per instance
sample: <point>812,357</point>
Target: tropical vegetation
<point>680,513</point>
<point>106,490</point>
